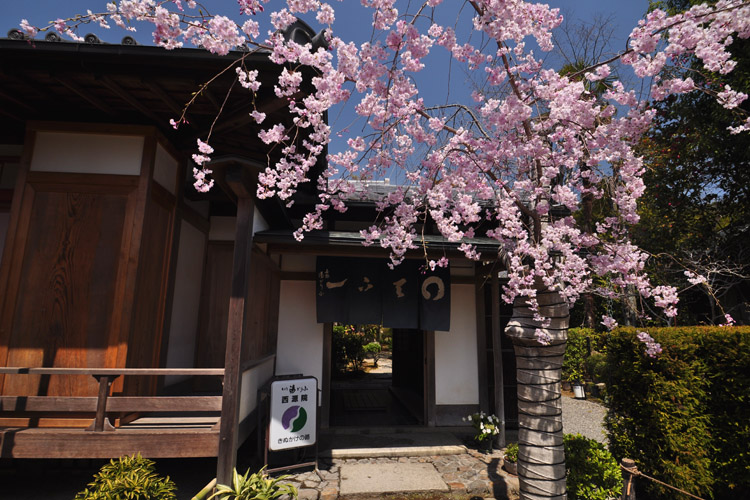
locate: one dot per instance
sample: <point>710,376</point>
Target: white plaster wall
<point>252,380</point>
<point>300,342</point>
<point>224,228</point>
<point>186,304</point>
<point>4,221</point>
<point>298,263</point>
<point>456,375</point>
<point>165,169</point>
<point>259,223</point>
<point>87,153</point>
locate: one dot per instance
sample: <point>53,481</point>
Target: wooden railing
<point>104,403</point>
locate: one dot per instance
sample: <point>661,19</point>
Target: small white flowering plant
<point>486,426</point>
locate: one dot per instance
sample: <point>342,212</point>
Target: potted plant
<point>510,459</point>
<point>486,427</point>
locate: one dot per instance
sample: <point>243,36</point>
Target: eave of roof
<point>348,239</point>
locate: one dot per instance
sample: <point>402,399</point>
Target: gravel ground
<point>582,416</point>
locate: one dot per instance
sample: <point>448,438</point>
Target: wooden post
<point>629,473</point>
<point>101,422</point>
<point>497,356</point>
<point>481,314</point>
<point>228,433</point>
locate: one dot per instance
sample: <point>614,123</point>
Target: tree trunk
<point>541,456</point>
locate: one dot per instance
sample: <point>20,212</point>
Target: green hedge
<point>684,417</point>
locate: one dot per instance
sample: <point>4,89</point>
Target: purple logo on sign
<point>294,418</point>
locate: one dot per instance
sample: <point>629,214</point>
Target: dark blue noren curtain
<point>435,299</point>
<point>401,296</point>
<point>365,291</point>
<point>332,280</point>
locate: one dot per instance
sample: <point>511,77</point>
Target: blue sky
<point>626,13</point>
<point>351,24</point>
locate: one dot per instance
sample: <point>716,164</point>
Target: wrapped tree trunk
<point>541,456</point>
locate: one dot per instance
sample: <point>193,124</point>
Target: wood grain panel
<point>147,327</point>
<point>261,322</point>
<point>65,298</point>
<point>212,332</point>
<point>78,443</point>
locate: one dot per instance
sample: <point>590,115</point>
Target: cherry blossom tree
<point>496,165</point>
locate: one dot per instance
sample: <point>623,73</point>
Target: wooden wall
<point>212,331</point>
<point>145,339</point>
<point>85,278</point>
<point>67,254</point>
<point>262,315</point>
<point>261,320</point>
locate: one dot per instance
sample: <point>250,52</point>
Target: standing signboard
<point>294,405</point>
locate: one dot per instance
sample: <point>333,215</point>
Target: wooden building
<point>137,315</point>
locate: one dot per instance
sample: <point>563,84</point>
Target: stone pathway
<point>470,474</point>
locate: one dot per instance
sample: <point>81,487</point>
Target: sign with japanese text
<point>293,413</point>
<point>366,291</point>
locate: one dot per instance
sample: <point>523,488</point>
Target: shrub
<point>683,415</point>
<point>348,348</point>
<point>373,349</point>
<point>576,352</point>
<point>591,470</point>
<point>596,366</point>
<point>128,478</point>
<point>257,486</point>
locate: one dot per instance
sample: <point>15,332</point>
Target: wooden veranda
<point>156,426</point>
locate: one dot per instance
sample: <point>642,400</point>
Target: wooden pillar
<point>429,378</point>
<point>497,355</point>
<point>325,407</point>
<point>228,434</point>
<point>482,371</point>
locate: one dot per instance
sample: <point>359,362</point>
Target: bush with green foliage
<point>592,472</point>
<point>683,416</point>
<point>576,352</point>
<point>348,348</point>
<point>596,366</point>
<point>256,486</point>
<point>126,478</point>
<point>373,349</point>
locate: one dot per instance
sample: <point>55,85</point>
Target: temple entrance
<point>377,376</point>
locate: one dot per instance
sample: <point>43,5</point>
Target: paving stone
<point>477,487</point>
<point>390,478</point>
<point>307,494</point>
<point>456,486</point>
<point>329,494</point>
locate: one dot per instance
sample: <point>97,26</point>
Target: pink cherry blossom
<point>491,166</point>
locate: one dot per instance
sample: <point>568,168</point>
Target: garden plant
<point>255,486</point>
<point>129,478</point>
<point>592,472</point>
